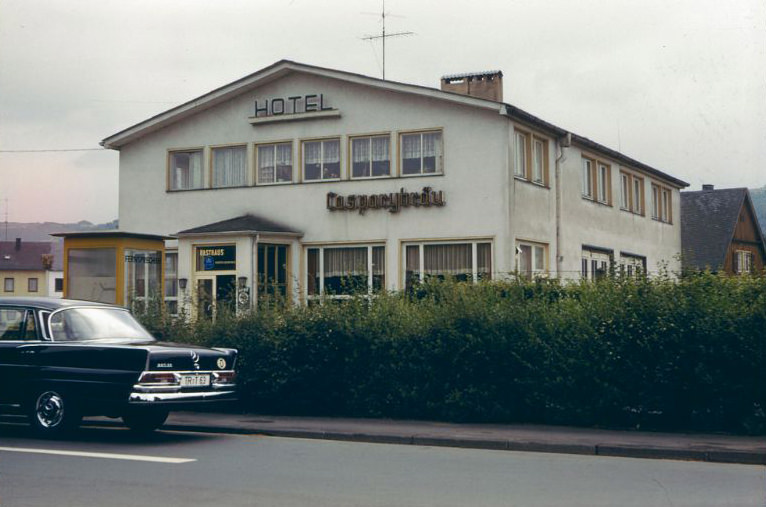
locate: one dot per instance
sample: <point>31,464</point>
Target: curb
<point>610,450</point>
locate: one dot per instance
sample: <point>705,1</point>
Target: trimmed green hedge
<point>682,355</point>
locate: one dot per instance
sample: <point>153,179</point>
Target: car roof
<point>45,303</point>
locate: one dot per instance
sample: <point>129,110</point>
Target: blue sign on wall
<point>217,258</point>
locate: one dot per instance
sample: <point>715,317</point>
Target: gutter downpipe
<point>254,251</point>
<point>561,143</point>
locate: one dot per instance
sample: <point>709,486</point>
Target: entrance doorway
<point>272,273</point>
<point>216,293</point>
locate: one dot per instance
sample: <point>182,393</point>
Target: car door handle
<point>27,351</point>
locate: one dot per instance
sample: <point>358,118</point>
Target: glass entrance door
<point>272,273</point>
<point>216,293</point>
<point>205,297</point>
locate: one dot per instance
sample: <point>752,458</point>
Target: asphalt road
<point>112,467</point>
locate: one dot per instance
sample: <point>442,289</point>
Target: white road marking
<point>129,457</point>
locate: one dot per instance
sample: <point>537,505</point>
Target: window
<point>370,156</point>
<point>321,160</point>
<point>631,193</point>
<point>142,276</point>
<point>229,167</point>
<point>587,178</point>
<point>421,153</point>
<point>469,261</point>
<point>344,271</point>
<point>603,183</point>
<point>531,258</point>
<point>632,265</point>
<point>186,170</point>
<point>32,285</point>
<point>595,263</point>
<point>743,262</point>
<point>8,285</point>
<point>58,285</point>
<point>92,274</point>
<point>661,204</point>
<point>171,282</point>
<point>596,180</point>
<point>530,147</point>
<point>11,322</point>
<point>275,163</point>
<point>520,167</point>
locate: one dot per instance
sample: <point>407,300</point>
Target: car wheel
<point>145,420</point>
<point>51,413</point>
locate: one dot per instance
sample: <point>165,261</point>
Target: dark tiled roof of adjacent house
<point>708,220</point>
<point>28,255</point>
<point>243,224</point>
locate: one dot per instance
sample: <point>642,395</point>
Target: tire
<point>52,413</point>
<point>145,420</point>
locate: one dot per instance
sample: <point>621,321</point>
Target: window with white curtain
<point>341,271</point>
<point>321,160</point>
<point>275,163</point>
<point>186,170</point>
<point>421,153</point>
<point>230,166</point>
<point>531,258</point>
<point>464,261</point>
<point>370,156</point>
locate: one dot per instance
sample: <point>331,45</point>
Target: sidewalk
<point>514,437</point>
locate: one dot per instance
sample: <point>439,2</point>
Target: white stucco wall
<point>474,180</point>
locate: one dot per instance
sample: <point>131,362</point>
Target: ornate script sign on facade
<point>393,202</point>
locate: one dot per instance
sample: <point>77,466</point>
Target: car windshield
<point>77,324</point>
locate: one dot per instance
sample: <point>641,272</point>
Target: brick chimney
<point>484,85</point>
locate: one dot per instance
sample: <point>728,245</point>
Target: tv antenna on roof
<point>383,36</point>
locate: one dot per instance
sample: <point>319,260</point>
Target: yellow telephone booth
<point>114,267</point>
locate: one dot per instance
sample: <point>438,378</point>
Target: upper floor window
<point>528,148</point>
<point>275,163</point>
<point>186,170</point>
<point>631,193</point>
<point>596,180</point>
<point>230,166</point>
<point>32,285</point>
<point>743,261</point>
<point>8,285</point>
<point>661,204</point>
<point>321,160</point>
<point>421,153</point>
<point>370,156</point>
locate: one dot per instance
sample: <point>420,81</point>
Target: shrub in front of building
<point>620,352</point>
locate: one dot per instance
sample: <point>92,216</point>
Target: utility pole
<point>383,36</point>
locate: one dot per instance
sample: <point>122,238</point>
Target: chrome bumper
<point>159,398</point>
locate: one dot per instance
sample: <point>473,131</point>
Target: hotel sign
<point>392,202</point>
<point>217,258</point>
<point>290,105</point>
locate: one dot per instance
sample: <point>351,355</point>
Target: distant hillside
<point>759,203</point>
<point>41,231</point>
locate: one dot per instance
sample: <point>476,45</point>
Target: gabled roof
<point>245,224</point>
<point>285,67</point>
<point>708,222</point>
<point>29,256</point>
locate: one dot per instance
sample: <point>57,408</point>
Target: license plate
<point>195,380</point>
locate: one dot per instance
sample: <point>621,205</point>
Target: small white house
<point>297,179</point>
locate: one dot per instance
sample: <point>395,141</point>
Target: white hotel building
<point>297,177</point>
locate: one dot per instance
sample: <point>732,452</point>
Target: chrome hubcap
<point>49,409</point>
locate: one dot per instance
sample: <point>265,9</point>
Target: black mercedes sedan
<point>63,359</point>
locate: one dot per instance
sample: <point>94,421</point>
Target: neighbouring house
<point>309,182</point>
<point>31,268</point>
<point>720,231</point>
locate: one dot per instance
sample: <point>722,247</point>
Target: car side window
<point>11,323</point>
<point>30,329</point>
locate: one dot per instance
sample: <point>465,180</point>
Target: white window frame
<point>421,253</point>
<point>538,161</point>
<point>536,270</point>
<point>587,178</point>
<point>638,203</point>
<point>439,162</point>
<point>274,146</point>
<point>166,282</point>
<point>625,190</point>
<point>602,182</point>
<point>520,160</point>
<point>632,265</point>
<point>320,265</point>
<point>593,259</point>
<point>322,143</point>
<point>745,260</point>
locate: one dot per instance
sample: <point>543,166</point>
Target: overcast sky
<point>679,85</point>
